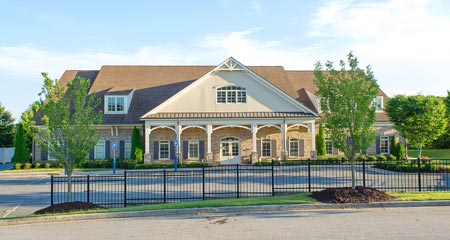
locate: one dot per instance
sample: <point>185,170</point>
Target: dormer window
<point>116,104</point>
<point>231,94</point>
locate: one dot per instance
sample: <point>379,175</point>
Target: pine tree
<point>401,151</point>
<point>393,146</point>
<point>320,142</point>
<point>136,145</point>
<point>21,154</point>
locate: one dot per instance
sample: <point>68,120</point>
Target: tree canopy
<point>420,119</point>
<point>69,115</point>
<point>349,110</point>
<point>6,128</point>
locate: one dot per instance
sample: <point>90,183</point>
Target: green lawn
<point>432,153</point>
<point>420,196</point>
<point>56,170</point>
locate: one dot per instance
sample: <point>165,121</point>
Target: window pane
<point>242,97</point>
<point>193,149</point>
<point>225,149</point>
<point>293,147</point>
<point>163,149</point>
<point>127,149</point>
<point>231,96</point>
<point>221,97</point>
<point>384,145</point>
<point>99,150</point>
<point>120,105</point>
<point>234,149</point>
<point>111,104</point>
<point>329,146</point>
<point>266,147</point>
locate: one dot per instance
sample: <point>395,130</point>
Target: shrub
<point>17,166</point>
<point>139,154</point>
<point>47,165</point>
<point>361,157</point>
<point>27,166</point>
<point>37,165</point>
<point>393,146</point>
<point>372,158</point>
<point>391,157</point>
<point>105,163</point>
<point>401,151</point>
<point>381,158</point>
<point>344,159</point>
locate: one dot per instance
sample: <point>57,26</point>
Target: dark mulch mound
<point>68,207</point>
<point>348,195</point>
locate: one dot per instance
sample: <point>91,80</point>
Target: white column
<point>147,138</point>
<point>312,130</point>
<point>283,139</point>
<point>209,154</point>
<point>254,131</point>
<point>178,132</point>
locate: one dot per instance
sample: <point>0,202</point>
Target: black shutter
<point>259,148</point>
<point>172,150</point>
<point>185,149</point>
<point>155,150</point>
<point>107,149</point>
<point>273,145</point>
<point>377,145</point>
<point>201,149</point>
<point>122,149</point>
<point>91,154</point>
<point>44,154</point>
<point>301,147</point>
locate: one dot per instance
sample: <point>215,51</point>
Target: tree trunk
<point>353,172</point>
<point>69,185</point>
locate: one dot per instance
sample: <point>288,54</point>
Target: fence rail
<point>136,187</point>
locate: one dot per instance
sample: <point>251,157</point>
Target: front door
<point>229,151</point>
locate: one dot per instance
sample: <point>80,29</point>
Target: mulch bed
<point>349,195</point>
<point>68,207</point>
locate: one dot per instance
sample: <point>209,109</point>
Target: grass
<point>432,153</point>
<point>420,196</point>
<point>56,170</point>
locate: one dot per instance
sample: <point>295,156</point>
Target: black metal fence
<point>135,187</point>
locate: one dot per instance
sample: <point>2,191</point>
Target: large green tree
<point>420,119</point>
<point>69,115</point>
<point>6,128</point>
<point>21,153</point>
<point>443,141</point>
<point>349,112</point>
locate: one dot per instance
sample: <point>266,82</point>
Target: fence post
<point>51,190</point>
<point>164,187</point>
<point>309,175</point>
<point>88,189</point>
<point>125,188</point>
<point>203,182</point>
<point>237,180</point>
<point>364,172</point>
<point>419,175</point>
<point>273,181</point>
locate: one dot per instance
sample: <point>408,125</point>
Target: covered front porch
<point>228,140</point>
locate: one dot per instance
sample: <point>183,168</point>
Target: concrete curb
<point>220,210</point>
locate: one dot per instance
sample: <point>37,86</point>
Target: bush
<point>361,157</point>
<point>372,158</point>
<point>17,166</point>
<point>391,157</point>
<point>401,151</point>
<point>139,154</point>
<point>344,159</point>
<point>381,158</point>
<point>37,165</point>
<point>47,165</point>
<point>27,166</point>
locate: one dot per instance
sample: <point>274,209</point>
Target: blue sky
<point>405,41</point>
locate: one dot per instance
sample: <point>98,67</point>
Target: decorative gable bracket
<point>230,65</point>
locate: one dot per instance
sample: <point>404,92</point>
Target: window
<point>99,150</point>
<point>378,101</point>
<point>293,147</point>
<point>329,146</point>
<point>266,148</point>
<point>127,149</point>
<point>231,94</point>
<point>384,145</point>
<point>164,151</point>
<point>116,104</point>
<point>193,149</point>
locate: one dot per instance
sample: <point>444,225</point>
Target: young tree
<point>393,146</point>
<point>69,115</point>
<point>401,151</point>
<point>350,112</point>
<point>6,128</point>
<point>420,119</point>
<point>27,121</point>
<point>443,141</point>
<point>136,145</point>
<point>320,142</point>
<point>21,153</point>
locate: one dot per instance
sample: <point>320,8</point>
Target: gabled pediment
<point>203,94</point>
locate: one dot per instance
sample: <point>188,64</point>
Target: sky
<point>406,42</point>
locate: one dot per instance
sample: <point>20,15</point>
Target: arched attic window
<point>231,94</point>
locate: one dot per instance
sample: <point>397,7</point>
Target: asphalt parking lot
<point>23,194</point>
